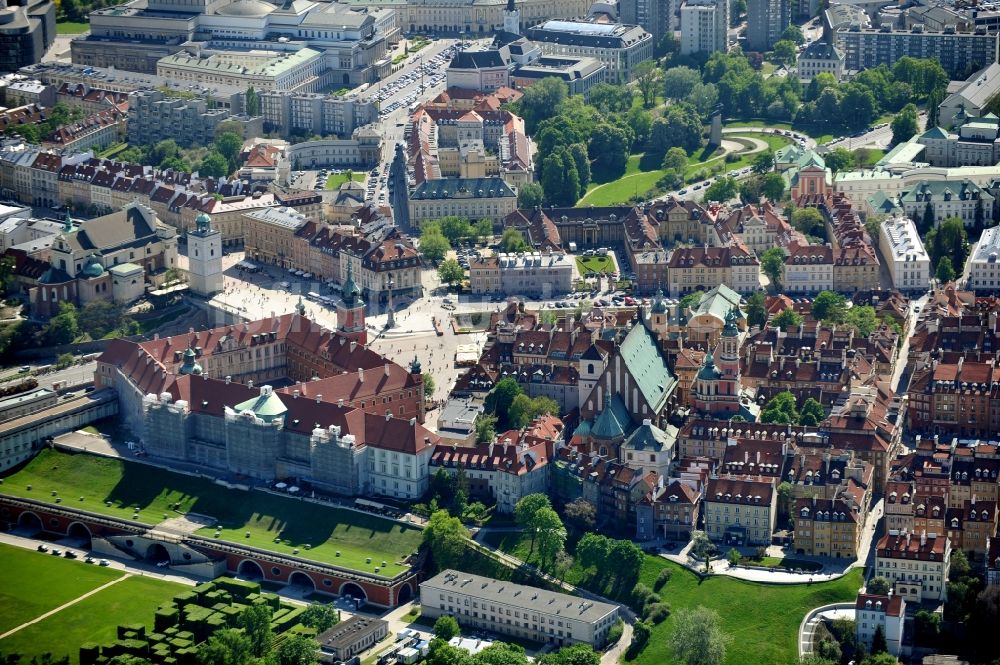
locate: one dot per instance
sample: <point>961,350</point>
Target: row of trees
<point>783,409</point>
<point>221,158</point>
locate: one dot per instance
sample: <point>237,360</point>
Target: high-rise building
<point>704,26</point>
<point>205,257</point>
<point>657,16</point>
<point>766,20</point>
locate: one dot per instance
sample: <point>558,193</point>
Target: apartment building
<point>916,565</point>
<point>703,268</point>
<point>958,52</point>
<point>828,527</point>
<point>872,612</point>
<point>984,269</point>
<point>154,116</point>
<point>269,236</point>
<point>517,610</point>
<point>740,512</point>
<point>766,20</point>
<point>704,26</point>
<point>818,58</point>
<point>808,269</point>
<point>909,263</point>
<point>309,114</point>
<point>670,512</point>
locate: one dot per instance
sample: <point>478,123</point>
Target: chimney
<point>413,422</point>
<point>354,345</point>
<point>340,402</point>
<point>156,336</point>
<point>361,372</point>
<point>295,394</point>
<point>249,384</point>
<point>229,380</point>
<point>388,415</point>
<point>319,398</point>
<point>387,369</point>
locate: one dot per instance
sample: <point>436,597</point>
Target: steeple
<point>512,19</point>
<point>300,307</point>
<point>350,292</point>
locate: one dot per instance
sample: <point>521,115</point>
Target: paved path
<point>65,605</point>
<point>807,629</point>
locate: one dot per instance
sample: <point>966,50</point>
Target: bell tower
<point>351,310</point>
<point>512,19</point>
<point>205,257</point>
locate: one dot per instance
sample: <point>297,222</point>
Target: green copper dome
<point>659,303</point>
<point>93,268</point>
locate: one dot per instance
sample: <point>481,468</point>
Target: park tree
<point>578,654</point>
<point>530,195</point>
<point>578,151</point>
<point>812,412</point>
<point>524,409</point>
<point>297,650</point>
<point>785,52</point>
<point>513,242</point>
<point>772,264</point>
<point>787,319</point>
<point>702,546</point>
<point>255,621</point>
<point>501,397</point>
<point>525,511</point>
<point>839,159</point>
<point>62,328</point>
<point>773,186</point>
<point>454,228</point>
<point>228,646</point>
<point>675,159</point>
<point>878,586</point>
<point>863,319</point>
<point>949,239</point>
<point>320,616</point>
<point>446,538</point>
<point>704,97</point>
<point>691,300</point>
<point>482,229</point>
<point>551,535</point>
<point>592,551</point>
<point>608,149</point>
<point>793,33</point>
<point>446,627</point>
<point>581,514</point>
<point>858,106</point>
<point>809,221</point>
<point>722,190</point>
<point>433,245</point>
<point>781,409</point>
<point>927,221</point>
<point>609,98</point>
<point>252,102</point>
<point>428,382</point>
<point>763,162</point>
<point>756,310</point>
<point>541,101</point>
<point>697,638</point>
<point>229,145</point>
<point>733,556</point>
<point>648,78</point>
<point>213,165</point>
<point>905,124</point>
<point>450,271</point>
<point>829,306</point>
<point>678,82</point>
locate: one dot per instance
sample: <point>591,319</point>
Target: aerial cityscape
<point>499,332</point>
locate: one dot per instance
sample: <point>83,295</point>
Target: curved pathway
<point>811,620</point>
<point>810,142</point>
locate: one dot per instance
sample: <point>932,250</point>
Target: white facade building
<point>908,262</point>
<point>984,267</point>
<point>916,565</point>
<point>872,611</point>
<point>704,26</point>
<point>517,610</point>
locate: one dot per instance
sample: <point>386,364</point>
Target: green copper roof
<point>93,268</point>
<point>651,437</point>
<point>648,367</point>
<point>267,406</point>
<point>350,292</point>
<point>718,302</point>
<point>708,371</point>
<point>934,133</point>
<point>659,303</point>
<point>613,421</point>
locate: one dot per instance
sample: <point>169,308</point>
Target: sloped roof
<point>613,422</point>
<point>650,437</point>
<point>644,361</point>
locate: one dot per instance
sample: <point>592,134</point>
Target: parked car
<point>105,562</point>
<point>43,548</point>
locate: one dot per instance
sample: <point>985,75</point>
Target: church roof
<point>650,437</point>
<point>613,421</point>
<point>641,354</point>
<point>708,371</point>
<point>266,406</point>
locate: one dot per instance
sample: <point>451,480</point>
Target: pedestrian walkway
<point>65,605</point>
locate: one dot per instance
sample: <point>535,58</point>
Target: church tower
<point>205,257</point>
<point>351,310</point>
<point>512,19</point>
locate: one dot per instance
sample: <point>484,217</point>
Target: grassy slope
<point>640,177</point>
<point>94,619</point>
<point>763,619</point>
<point>127,484</point>
<point>32,583</point>
<point>72,27</point>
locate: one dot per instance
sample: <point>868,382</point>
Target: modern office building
<point>766,20</point>
<point>517,610</point>
<point>658,17</point>
<point>27,29</point>
<point>620,47</point>
<point>580,74</point>
<point>704,26</point>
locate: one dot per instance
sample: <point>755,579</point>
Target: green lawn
<point>335,180</point>
<point>643,171</point>
<point>72,27</point>
<point>159,494</point>
<point>763,619</point>
<point>32,583</point>
<point>94,619</point>
<point>586,264</point>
